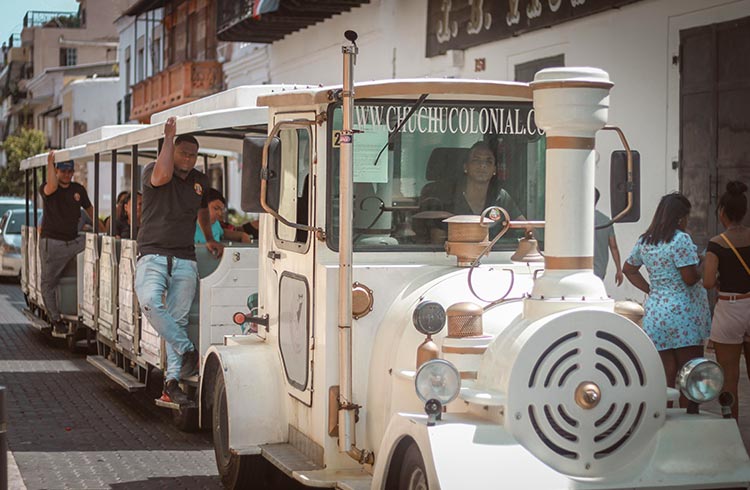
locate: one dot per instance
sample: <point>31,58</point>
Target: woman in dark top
<point>122,225</point>
<point>730,329</point>
<point>478,189</point>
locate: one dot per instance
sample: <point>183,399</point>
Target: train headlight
<point>438,380</point>
<point>700,380</point>
<point>429,317</point>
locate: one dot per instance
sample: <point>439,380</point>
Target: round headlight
<point>700,380</point>
<point>429,317</point>
<point>438,380</point>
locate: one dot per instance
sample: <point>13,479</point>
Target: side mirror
<point>252,165</point>
<point>620,187</point>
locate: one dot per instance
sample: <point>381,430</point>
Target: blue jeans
<point>152,285</point>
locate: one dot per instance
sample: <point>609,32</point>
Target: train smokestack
<point>571,105</point>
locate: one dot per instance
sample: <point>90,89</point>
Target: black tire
<point>186,419</point>
<point>412,475</point>
<point>235,471</point>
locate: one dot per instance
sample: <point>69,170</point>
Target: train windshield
<point>419,162</point>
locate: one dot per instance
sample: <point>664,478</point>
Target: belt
<point>733,297</point>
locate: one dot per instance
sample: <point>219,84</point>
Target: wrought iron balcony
<point>44,18</point>
<point>178,84</point>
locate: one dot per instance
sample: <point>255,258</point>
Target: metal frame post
<point>26,194</point>
<point>113,194</point>
<point>96,192</point>
<point>134,174</point>
<point>225,178</point>
<point>35,193</point>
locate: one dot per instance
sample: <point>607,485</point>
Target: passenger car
<point>10,241</point>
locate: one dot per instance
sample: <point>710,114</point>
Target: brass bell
<point>528,250</point>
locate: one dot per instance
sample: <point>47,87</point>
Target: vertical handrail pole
<point>26,194</point>
<point>96,192</point>
<point>225,175</point>
<point>113,193</point>
<point>347,408</point>
<point>35,192</point>
<point>134,193</point>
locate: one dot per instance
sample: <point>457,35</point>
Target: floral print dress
<point>677,315</point>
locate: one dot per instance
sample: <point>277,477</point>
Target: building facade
<point>680,67</point>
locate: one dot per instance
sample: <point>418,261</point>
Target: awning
<point>142,6</point>
<point>236,20</point>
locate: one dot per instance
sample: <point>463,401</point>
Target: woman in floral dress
<point>677,316</point>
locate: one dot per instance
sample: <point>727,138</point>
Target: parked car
<point>11,202</point>
<point>10,241</point>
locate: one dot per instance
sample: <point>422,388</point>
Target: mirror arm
<point>630,183</point>
<point>297,123</point>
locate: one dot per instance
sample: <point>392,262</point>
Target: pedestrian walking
<point>677,317</point>
<point>62,201</point>
<point>728,267</point>
<point>605,242</point>
<point>166,276</point>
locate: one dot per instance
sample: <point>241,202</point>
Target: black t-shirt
<point>122,228</point>
<point>733,278</point>
<point>169,214</point>
<point>62,211</point>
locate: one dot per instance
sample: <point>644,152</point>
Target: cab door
<point>292,250</point>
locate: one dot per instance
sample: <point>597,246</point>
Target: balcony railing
<point>178,84</point>
<point>44,18</point>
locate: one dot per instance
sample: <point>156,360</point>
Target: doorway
<point>714,118</point>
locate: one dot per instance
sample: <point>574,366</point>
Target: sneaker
<point>60,327</point>
<point>189,364</point>
<point>174,392</point>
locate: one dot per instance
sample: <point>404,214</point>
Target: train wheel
<point>413,475</point>
<point>235,471</point>
<point>186,418</point>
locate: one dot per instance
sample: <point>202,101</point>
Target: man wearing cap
<point>62,200</point>
<point>166,274</point>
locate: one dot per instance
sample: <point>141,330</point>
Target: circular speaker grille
<point>600,350</point>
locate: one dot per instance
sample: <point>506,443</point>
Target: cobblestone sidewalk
<point>69,427</point>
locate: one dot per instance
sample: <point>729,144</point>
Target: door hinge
<point>273,255</point>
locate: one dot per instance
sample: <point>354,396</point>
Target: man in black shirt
<point>60,242</point>
<point>166,274</point>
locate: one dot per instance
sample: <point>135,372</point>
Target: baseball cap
<point>67,165</point>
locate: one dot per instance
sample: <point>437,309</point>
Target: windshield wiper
<point>411,112</point>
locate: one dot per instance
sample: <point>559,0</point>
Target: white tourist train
<point>371,358</point>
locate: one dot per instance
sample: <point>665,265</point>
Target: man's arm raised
<point>164,167</point>
<point>51,185</point>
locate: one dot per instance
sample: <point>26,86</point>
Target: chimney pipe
<point>571,105</point>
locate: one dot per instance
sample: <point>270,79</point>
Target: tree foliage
<point>27,143</point>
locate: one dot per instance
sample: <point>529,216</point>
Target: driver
<point>476,190</point>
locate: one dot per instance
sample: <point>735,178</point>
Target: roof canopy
<point>238,20</point>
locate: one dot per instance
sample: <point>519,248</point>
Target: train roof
<point>438,88</point>
<point>75,146</point>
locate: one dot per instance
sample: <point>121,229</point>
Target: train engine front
<point>569,394</point>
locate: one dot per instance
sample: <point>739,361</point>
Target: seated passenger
<point>216,207</point>
<point>251,227</point>
<point>474,192</point>
<point>122,225</point>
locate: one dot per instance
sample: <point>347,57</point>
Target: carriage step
<point>35,321</point>
<point>166,403</point>
<point>127,381</point>
<point>287,458</point>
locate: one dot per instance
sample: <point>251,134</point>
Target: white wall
<point>635,44</point>
<point>94,101</point>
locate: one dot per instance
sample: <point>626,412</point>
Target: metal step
<point>172,405</point>
<point>127,381</point>
<point>287,458</point>
<point>36,322</point>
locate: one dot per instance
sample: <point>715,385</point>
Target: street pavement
<point>70,427</point>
